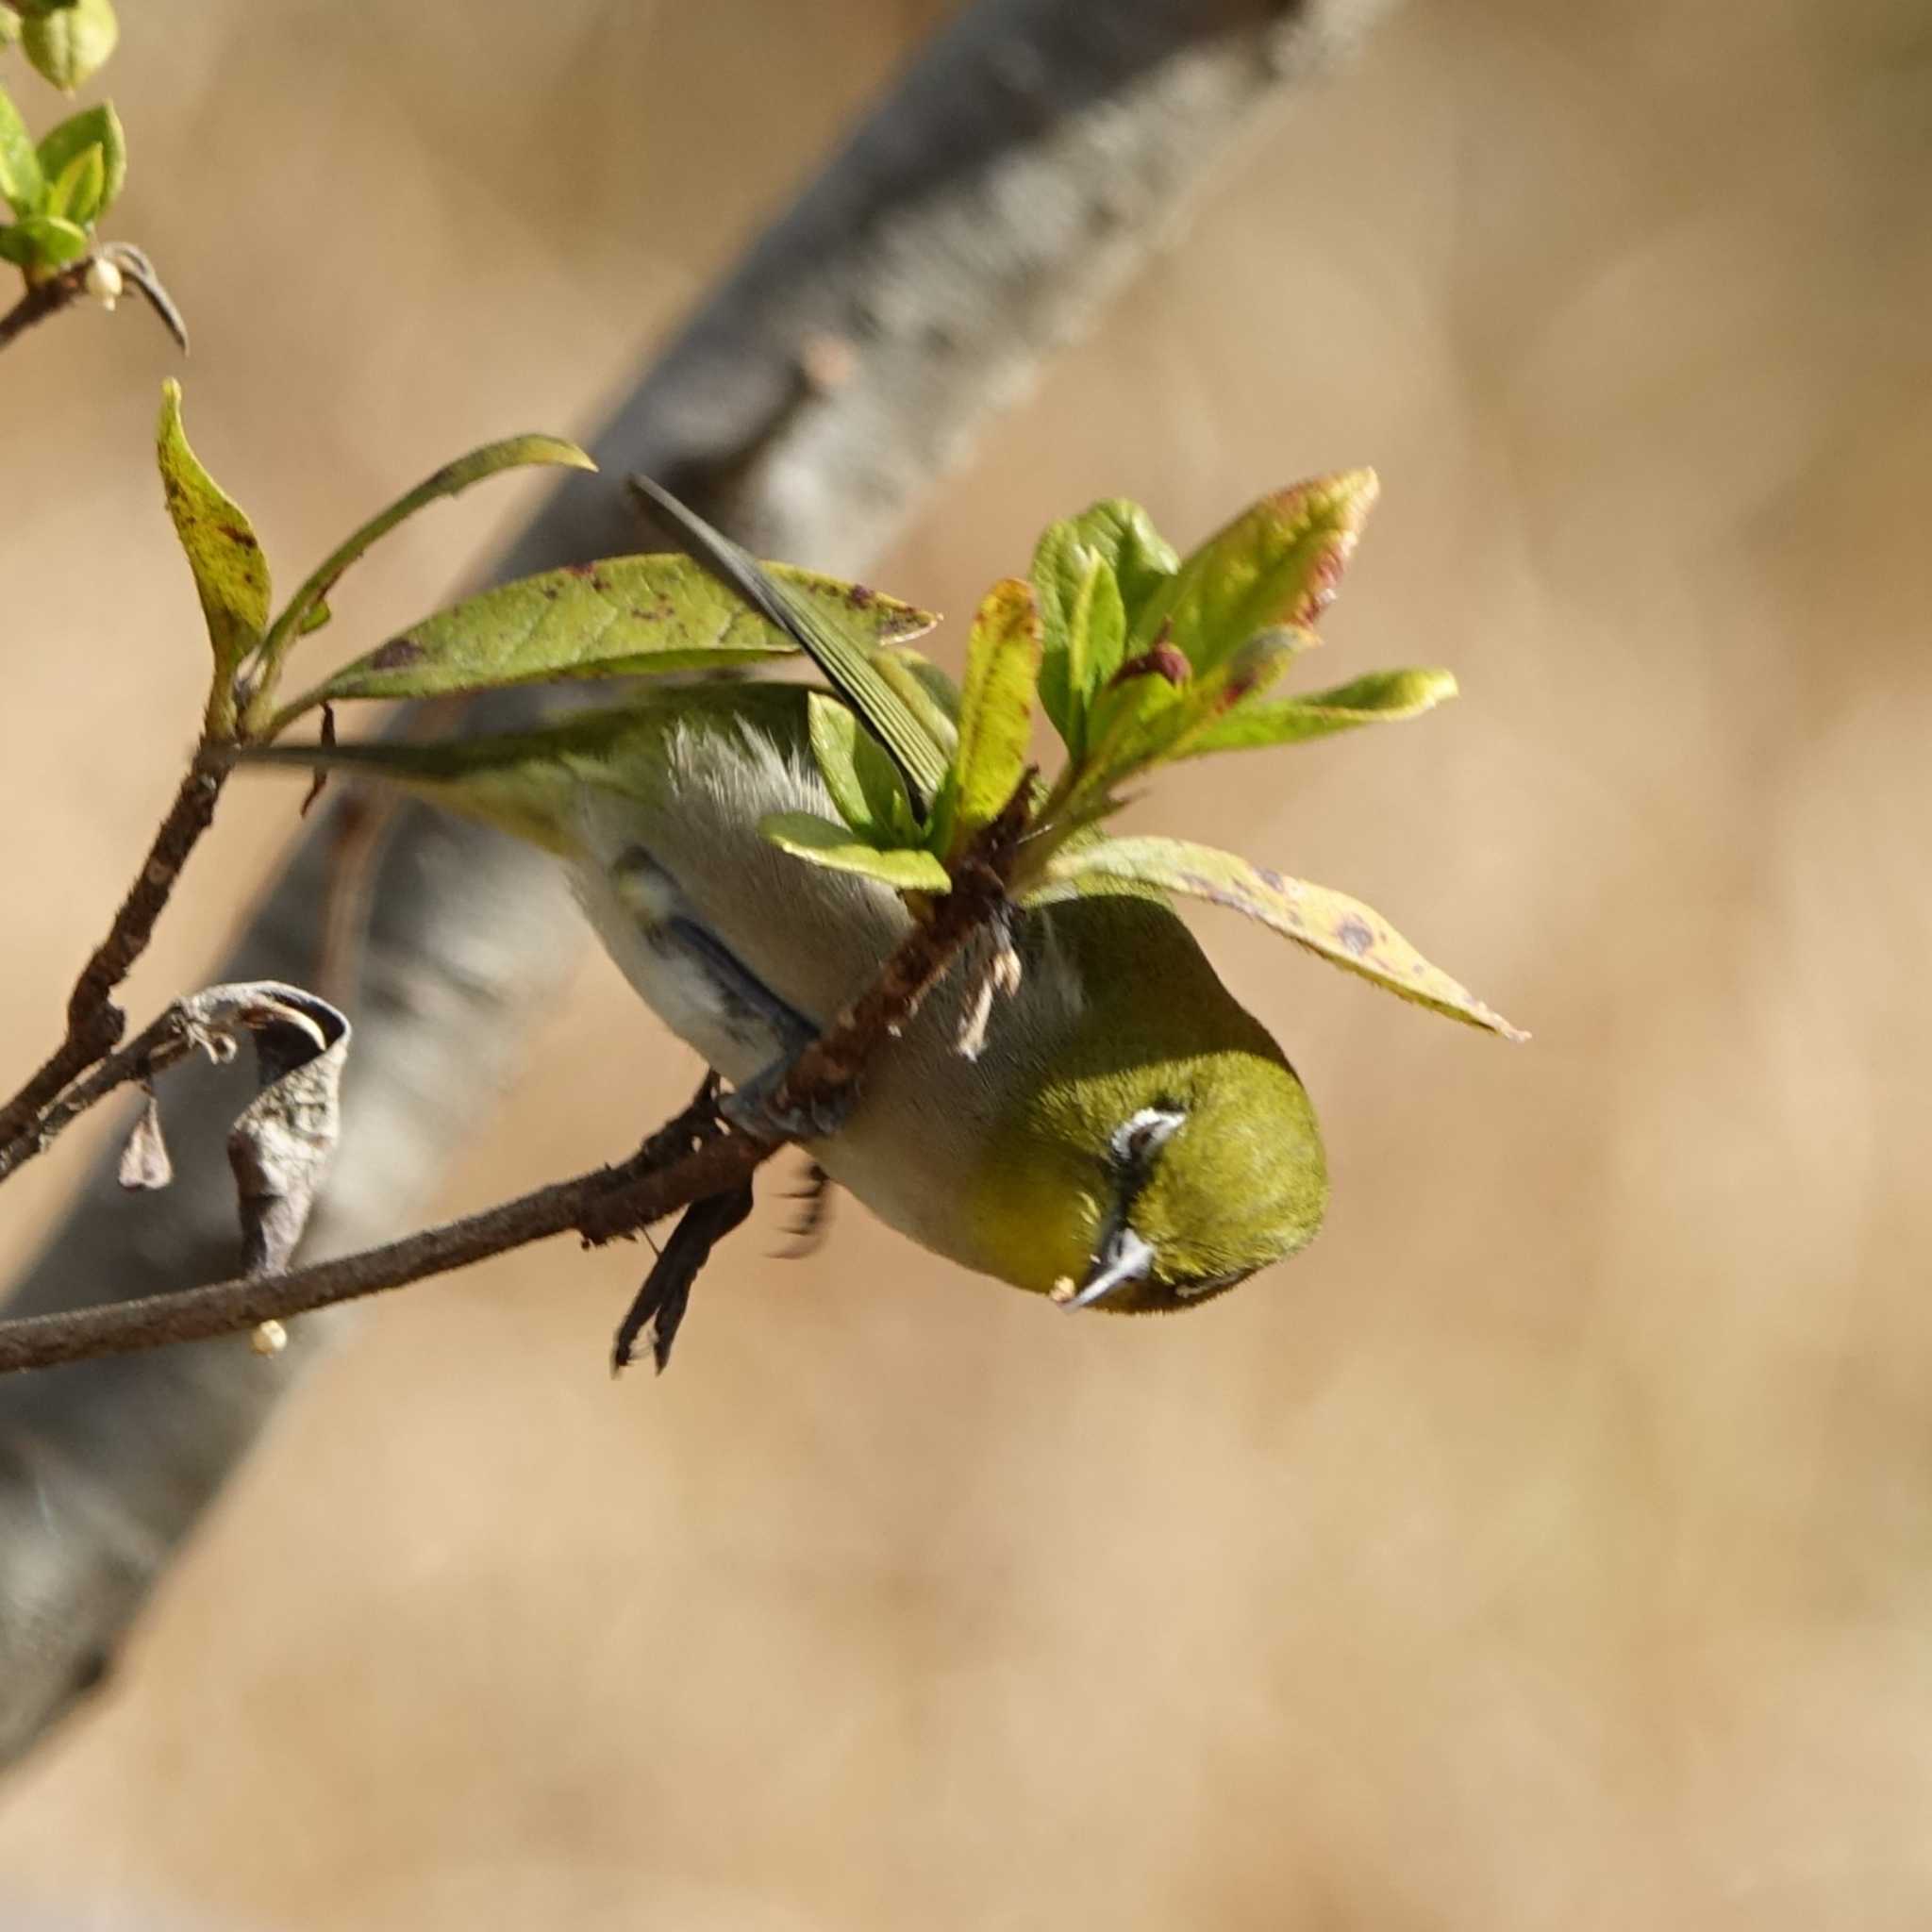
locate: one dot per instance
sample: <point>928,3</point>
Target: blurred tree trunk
<point>1010,181</point>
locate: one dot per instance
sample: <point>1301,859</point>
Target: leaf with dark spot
<point>1326,922</point>
<point>230,574</point>
<point>626,616</point>
<point>1276,566</point>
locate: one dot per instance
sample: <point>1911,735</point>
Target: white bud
<point>104,281</point>
<point>269,1337</point>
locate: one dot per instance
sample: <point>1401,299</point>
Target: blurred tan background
<point>1552,1545</point>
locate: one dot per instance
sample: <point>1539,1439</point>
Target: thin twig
<point>608,1204</point>
<point>156,1046</point>
<point>62,290</point>
<point>93,1022</point>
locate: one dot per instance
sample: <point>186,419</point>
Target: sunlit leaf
<point>68,44</point>
<point>43,241</point>
<point>821,842</point>
<point>626,616</point>
<point>1330,923</point>
<point>1380,697</point>
<point>925,690</point>
<point>1135,563</point>
<point>22,180</point>
<point>75,191</point>
<point>859,773</point>
<point>1155,714</point>
<point>1275,565</point>
<point>9,26</point>
<point>512,453</point>
<point>995,714</point>
<point>95,126</point>
<point>230,573</point>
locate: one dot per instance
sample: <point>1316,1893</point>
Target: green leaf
<point>1339,928</point>
<point>626,616</point>
<point>1275,565</point>
<point>859,773</point>
<point>925,690</point>
<point>515,451</point>
<point>68,44</point>
<point>77,191</point>
<point>21,179</point>
<point>995,715</point>
<point>230,573</point>
<point>1153,714</point>
<point>830,637</point>
<point>95,126</point>
<point>43,241</point>
<point>1381,698</point>
<point>1135,563</point>
<point>821,842</point>
<point>9,26</point>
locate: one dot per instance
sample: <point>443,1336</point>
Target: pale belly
<point>704,939</point>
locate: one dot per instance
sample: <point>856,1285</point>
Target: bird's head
<point>1165,1148</point>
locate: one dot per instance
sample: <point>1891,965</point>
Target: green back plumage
<point>527,782</point>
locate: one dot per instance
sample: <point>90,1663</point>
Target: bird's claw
<point>752,1110</point>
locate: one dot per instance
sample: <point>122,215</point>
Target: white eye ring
<point>1145,1134</point>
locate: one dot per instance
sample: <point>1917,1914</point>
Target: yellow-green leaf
<point>1276,564</point>
<point>43,241</point>
<point>22,180</point>
<point>68,44</point>
<point>1379,698</point>
<point>859,773</point>
<point>626,616</point>
<point>820,843</point>
<point>230,573</point>
<point>512,453</point>
<point>995,714</point>
<point>1080,648</point>
<point>95,126</point>
<point>1342,930</point>
<point>76,189</point>
<point>925,690</point>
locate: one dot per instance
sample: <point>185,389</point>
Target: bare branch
<point>61,291</point>
<point>156,1046</point>
<point>605,1205</point>
<point>93,1022</point>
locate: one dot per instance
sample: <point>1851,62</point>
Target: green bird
<point>1129,1138</point>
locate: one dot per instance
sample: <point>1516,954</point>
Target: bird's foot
<point>753,1108</point>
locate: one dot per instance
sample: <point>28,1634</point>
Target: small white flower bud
<point>104,281</point>
<point>269,1337</point>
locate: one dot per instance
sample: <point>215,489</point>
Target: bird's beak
<point>1125,1257</point>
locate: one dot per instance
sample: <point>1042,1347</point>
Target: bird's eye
<point>1138,1139</point>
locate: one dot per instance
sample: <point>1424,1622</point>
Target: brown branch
<point>157,1045</point>
<point>41,300</point>
<point>608,1204</point>
<point>62,290</point>
<point>93,1022</point>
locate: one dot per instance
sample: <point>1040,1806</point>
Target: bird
<point>1130,1138</point>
